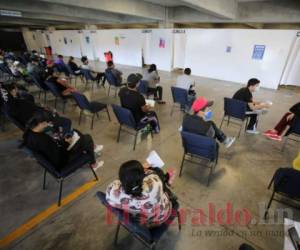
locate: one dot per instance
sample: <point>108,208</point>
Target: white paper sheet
<point>154,160</point>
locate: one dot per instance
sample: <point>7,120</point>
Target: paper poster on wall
<point>47,37</point>
<point>87,39</point>
<point>162,43</point>
<point>117,41</point>
<point>228,49</point>
<point>65,40</point>
<point>258,52</point>
<point>33,36</point>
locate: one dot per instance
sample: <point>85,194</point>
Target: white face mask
<point>257,88</point>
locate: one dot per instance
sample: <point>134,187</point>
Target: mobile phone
<point>294,237</point>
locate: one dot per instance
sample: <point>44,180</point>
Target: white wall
<point>179,50</point>
<point>126,46</point>
<point>206,54</point>
<point>87,48</point>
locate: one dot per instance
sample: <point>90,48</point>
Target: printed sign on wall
<point>258,52</point>
<point>117,41</point>
<point>228,49</point>
<point>162,43</point>
<point>87,39</point>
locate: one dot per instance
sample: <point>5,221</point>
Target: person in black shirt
<point>131,99</point>
<point>200,122</point>
<point>245,95</point>
<point>74,66</point>
<point>286,120</point>
<point>58,152</point>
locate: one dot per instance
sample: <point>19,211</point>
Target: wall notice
<point>258,52</point>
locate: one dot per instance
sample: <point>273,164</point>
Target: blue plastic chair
<point>72,74</point>
<point>57,94</point>
<point>62,68</point>
<point>294,131</point>
<point>88,77</point>
<point>180,97</point>
<point>202,147</point>
<point>148,236</point>
<point>285,184</point>
<point>66,171</point>
<point>41,85</point>
<point>112,82</point>
<point>143,89</point>
<point>236,110</point>
<point>125,118</point>
<point>93,107</point>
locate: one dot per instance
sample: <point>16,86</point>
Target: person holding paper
<point>200,122</point>
<point>286,120</point>
<point>131,99</point>
<point>245,95</point>
<point>142,191</point>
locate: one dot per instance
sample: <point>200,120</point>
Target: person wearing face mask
<point>200,122</point>
<point>245,95</point>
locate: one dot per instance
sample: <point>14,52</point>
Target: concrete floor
<point>241,178</point>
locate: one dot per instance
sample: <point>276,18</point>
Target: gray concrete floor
<point>241,178</point>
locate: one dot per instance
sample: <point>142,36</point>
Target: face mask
<point>257,88</point>
<point>208,115</point>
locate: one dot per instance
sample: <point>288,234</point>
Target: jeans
<point>219,135</point>
<point>283,123</point>
<point>252,122</point>
<point>156,90</point>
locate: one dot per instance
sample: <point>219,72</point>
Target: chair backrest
<point>235,108</point>
<point>53,89</point>
<point>81,100</point>
<point>87,74</point>
<point>124,116</point>
<point>71,72</point>
<point>6,112</point>
<point>38,82</point>
<point>62,67</point>
<point>111,79</point>
<point>127,221</point>
<point>143,87</point>
<point>295,127</point>
<point>199,145</point>
<point>179,95</point>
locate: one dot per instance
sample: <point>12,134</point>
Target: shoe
<point>161,102</point>
<point>229,141</point>
<point>97,165</point>
<point>269,132</point>
<point>274,137</point>
<point>252,131</point>
<point>98,149</point>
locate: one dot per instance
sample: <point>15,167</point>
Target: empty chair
<point>148,236</point>
<point>143,89</point>
<point>57,94</point>
<point>236,110</point>
<point>126,119</point>
<point>286,185</point>
<point>292,133</point>
<point>180,97</point>
<point>112,82</point>
<point>60,176</point>
<point>93,107</point>
<point>199,146</point>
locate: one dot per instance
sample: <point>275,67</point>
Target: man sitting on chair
<point>115,72</point>
<point>200,122</point>
<point>131,99</point>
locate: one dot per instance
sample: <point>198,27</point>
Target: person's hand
<point>290,117</point>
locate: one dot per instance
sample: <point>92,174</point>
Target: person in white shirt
<point>96,76</point>
<point>185,81</point>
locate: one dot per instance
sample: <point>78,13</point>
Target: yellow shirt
<point>296,162</point>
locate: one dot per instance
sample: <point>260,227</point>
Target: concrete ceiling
<point>158,13</point>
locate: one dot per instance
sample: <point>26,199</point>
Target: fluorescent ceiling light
<point>10,13</point>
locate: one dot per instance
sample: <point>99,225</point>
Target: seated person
<point>59,152</point>
<point>74,66</point>
<point>108,56</point>
<point>152,78</point>
<point>185,81</point>
<point>115,72</point>
<point>62,84</point>
<point>200,122</point>
<point>23,109</point>
<point>286,120</point>
<point>96,76</point>
<point>35,69</point>
<point>143,192</point>
<point>131,99</point>
<point>60,65</point>
<point>245,95</point>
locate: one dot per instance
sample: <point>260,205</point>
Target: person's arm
<point>144,107</point>
<point>257,106</point>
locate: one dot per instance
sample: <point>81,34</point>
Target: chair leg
<point>60,191</point>
<point>240,130</point>
<point>172,110</point>
<point>222,121</point>
<point>228,121</point>
<point>270,184</point>
<point>179,220</point>
<point>94,173</point>
<point>108,90</point>
<point>119,133</point>
<point>92,124</point>
<point>284,143</point>
<point>80,114</point>
<point>117,234</point>
<point>210,173</point>
<point>269,205</point>
<point>135,139</point>
<point>182,162</point>
<point>44,182</point>
<point>116,89</point>
<point>108,114</point>
<point>64,106</point>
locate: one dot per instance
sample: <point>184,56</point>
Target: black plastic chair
<point>93,107</point>
<point>67,171</point>
<point>148,236</point>
<point>286,183</point>
<point>126,119</point>
<point>293,131</point>
<point>199,146</point>
<point>236,110</point>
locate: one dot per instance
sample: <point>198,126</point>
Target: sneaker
<point>269,132</point>
<point>97,165</point>
<point>161,102</point>
<point>274,137</point>
<point>252,131</point>
<point>229,141</point>
<point>98,149</point>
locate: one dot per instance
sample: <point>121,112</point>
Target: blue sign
<point>228,49</point>
<point>258,52</point>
